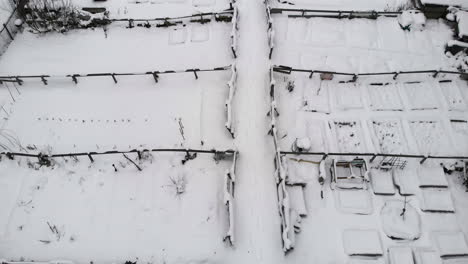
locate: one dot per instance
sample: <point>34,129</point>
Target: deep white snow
<point>250,207</point>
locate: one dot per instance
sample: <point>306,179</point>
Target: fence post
<point>423,160</point>
<point>324,156</point>
<point>155,76</point>
<point>75,80</point>
<point>8,31</point>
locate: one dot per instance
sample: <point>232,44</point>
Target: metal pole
<point>8,31</point>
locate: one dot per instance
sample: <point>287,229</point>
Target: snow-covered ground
<point>81,211</point>
<point>365,117</point>
<point>97,114</point>
<point>415,114</point>
<point>72,208</point>
<point>108,211</point>
<point>119,49</point>
<point>359,45</point>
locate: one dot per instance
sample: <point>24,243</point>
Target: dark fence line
<point>423,158</point>
<point>90,155</point>
<point>223,16</point>
<point>44,78</point>
<point>287,70</point>
<point>308,13</point>
<point>201,16</point>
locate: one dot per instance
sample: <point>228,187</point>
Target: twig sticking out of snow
<point>129,159</point>
<point>55,230</point>
<point>181,128</point>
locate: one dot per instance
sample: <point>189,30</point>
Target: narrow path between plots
<point>258,233</point>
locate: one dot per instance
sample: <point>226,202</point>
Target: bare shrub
<point>57,15</point>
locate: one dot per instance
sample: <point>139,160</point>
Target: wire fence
<point>309,13</point>
<point>44,78</point>
<point>434,73</point>
<point>373,156</point>
<point>350,14</point>
<point>8,31</point>
<point>223,16</point>
<point>91,155</point>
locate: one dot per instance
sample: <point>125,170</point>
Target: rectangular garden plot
<point>389,136</point>
<point>325,32</point>
<point>451,243</point>
<point>437,200</point>
<point>347,96</point>
<point>316,95</point>
<point>453,96</point>
<point>431,137</point>
<point>420,96</point>
<point>97,114</point>
<point>349,136</point>
<point>119,49</point>
<point>312,129</point>
<point>460,131</point>
<point>362,242</point>
<point>384,97</point>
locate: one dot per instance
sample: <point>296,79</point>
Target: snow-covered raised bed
<point>362,242</point>
<point>400,220</point>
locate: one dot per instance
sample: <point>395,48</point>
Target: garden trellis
<point>44,78</point>
<point>355,76</point>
